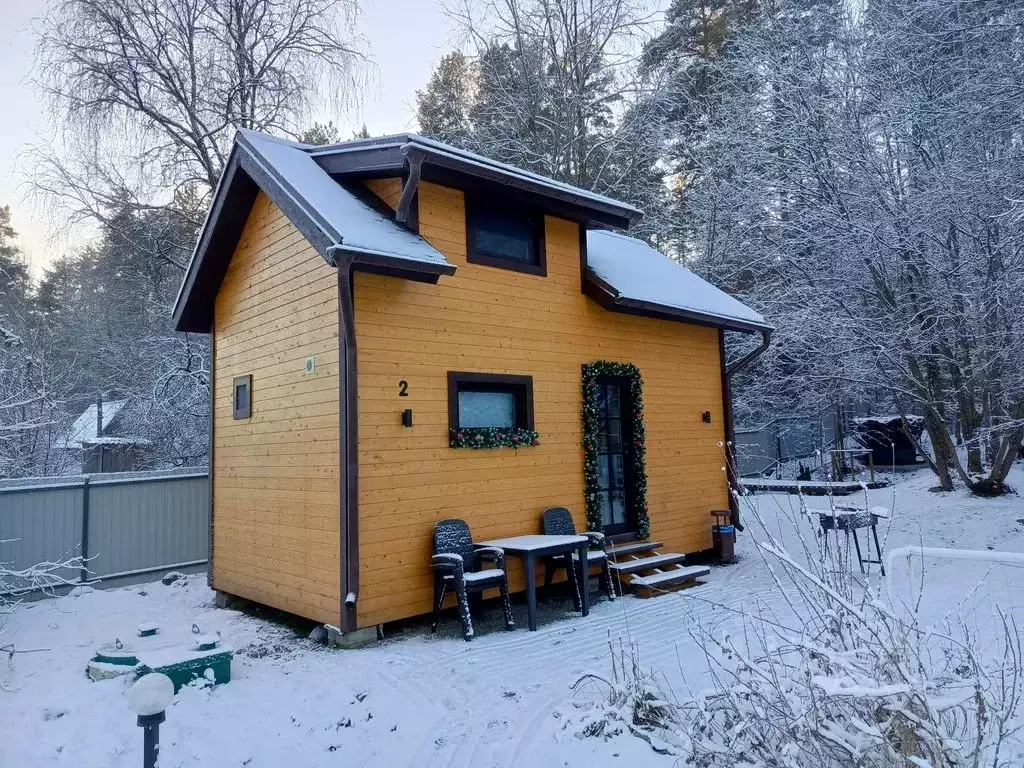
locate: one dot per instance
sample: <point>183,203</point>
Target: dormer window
<point>501,233</point>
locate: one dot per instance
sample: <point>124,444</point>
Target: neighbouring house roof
<point>116,441</point>
<point>83,428</point>
<point>628,274</point>
<point>890,419</point>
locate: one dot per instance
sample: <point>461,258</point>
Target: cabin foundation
<point>357,639</point>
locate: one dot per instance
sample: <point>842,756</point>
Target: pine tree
<point>442,108</point>
<point>550,88</point>
<point>320,134</point>
<point>14,278</point>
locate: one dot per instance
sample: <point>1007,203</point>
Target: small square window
<point>242,397</point>
<point>506,235</point>
<point>489,401</point>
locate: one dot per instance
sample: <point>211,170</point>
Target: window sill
<point>493,438</point>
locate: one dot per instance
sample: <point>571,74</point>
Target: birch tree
<point>150,92</point>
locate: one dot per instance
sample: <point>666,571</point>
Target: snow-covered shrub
<point>632,700</point>
<point>43,577</point>
<point>853,680</point>
<point>842,675</point>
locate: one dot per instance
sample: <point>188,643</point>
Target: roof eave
<point>610,299</point>
<point>391,158</point>
<point>184,316</point>
<point>378,263</point>
<point>192,313</point>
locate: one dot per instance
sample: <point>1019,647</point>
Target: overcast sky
<point>406,38</point>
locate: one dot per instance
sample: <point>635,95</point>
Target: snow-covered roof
<point>330,216</point>
<point>344,218</point>
<point>116,441</point>
<point>84,427</point>
<point>639,276</point>
<point>438,148</point>
<point>887,419</point>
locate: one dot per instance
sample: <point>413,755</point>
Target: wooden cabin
<point>402,332</point>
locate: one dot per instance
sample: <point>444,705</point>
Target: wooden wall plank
<point>497,321</point>
<point>277,481</point>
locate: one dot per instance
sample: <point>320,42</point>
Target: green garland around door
<point>638,491</point>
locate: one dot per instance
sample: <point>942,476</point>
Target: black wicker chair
<point>457,567</point>
<point>558,522</point>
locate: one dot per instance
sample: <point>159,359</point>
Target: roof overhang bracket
<point>414,164</point>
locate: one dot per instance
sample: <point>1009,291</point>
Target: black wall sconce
<point>407,417</point>
<point>706,417</point>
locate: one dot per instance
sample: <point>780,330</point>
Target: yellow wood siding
<point>498,321</point>
<point>276,474</point>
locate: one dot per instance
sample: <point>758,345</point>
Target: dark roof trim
<point>318,232</point>
<point>236,192</point>
<point>383,264</point>
<point>232,200</point>
<point>390,157</point>
<point>605,295</point>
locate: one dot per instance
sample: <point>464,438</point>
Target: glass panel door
<point>613,449</point>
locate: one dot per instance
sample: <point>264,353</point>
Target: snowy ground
<point>423,700</point>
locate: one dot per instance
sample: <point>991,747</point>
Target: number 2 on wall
<point>403,388</point>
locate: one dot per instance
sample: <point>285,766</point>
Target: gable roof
<point>352,224</point>
<point>332,218</point>
<point>627,274</point>
<point>309,185</point>
<point>84,427</point>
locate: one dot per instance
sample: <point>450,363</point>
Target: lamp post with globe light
<point>149,697</point>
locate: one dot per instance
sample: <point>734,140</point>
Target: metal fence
<point>758,451</point>
<point>124,524</point>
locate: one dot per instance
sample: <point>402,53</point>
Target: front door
<point>614,456</point>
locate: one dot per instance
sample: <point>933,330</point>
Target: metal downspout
<point>348,436</point>
<point>730,427</point>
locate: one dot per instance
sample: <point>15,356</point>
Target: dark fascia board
<point>235,195</point>
<point>549,206</point>
<point>605,295</point>
<point>232,201</point>
<point>236,192</point>
<point>368,160</point>
<point>382,264</point>
<point>363,161</point>
<point>318,232</point>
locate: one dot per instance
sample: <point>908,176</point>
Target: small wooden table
<point>529,548</point>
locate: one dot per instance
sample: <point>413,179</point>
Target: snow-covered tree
<point>150,92</point>
<point>551,86</point>
<point>860,182</point>
<point>106,313</point>
<point>30,389</point>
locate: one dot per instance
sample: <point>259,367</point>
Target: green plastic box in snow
<point>206,659</point>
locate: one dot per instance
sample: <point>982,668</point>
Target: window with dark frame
<point>242,397</point>
<point>502,233</point>
<point>489,401</point>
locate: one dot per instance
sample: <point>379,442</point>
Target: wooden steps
<point>646,563</point>
<point>671,577</point>
<point>632,548</point>
<point>649,572</point>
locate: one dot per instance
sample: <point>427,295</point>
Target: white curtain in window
<point>487,409</point>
